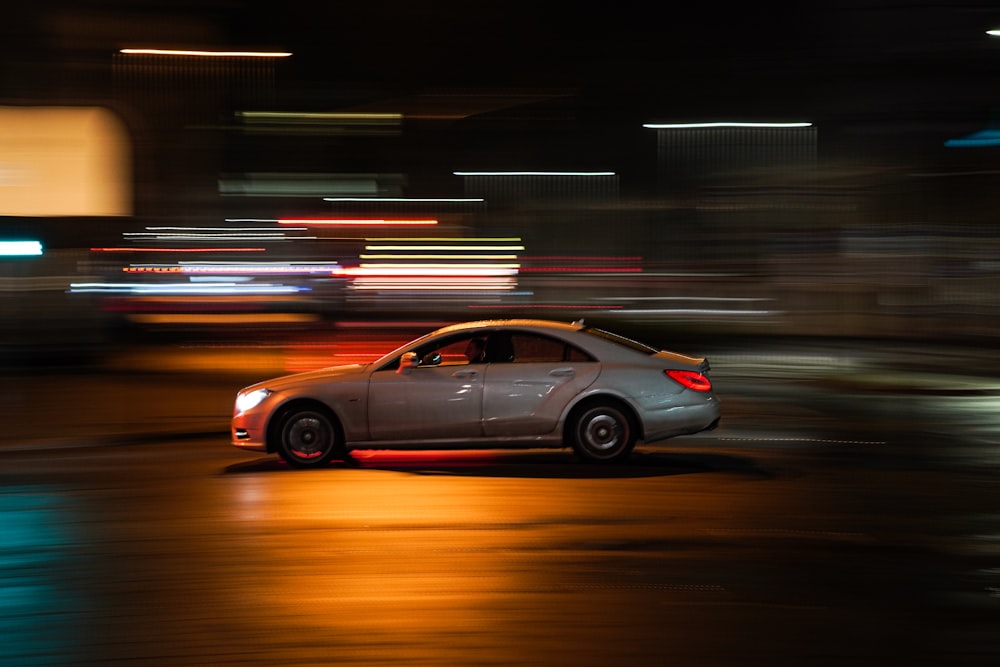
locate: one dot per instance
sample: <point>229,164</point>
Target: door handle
<point>464,374</point>
<point>562,372</point>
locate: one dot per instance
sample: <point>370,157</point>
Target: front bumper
<point>248,432</point>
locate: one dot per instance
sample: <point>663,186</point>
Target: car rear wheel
<point>308,438</point>
<point>602,433</point>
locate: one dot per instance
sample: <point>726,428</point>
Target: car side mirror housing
<point>408,362</point>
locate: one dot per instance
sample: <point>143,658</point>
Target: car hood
<point>699,364</point>
<point>311,377</point>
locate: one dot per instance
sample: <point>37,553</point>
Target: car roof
<point>549,325</point>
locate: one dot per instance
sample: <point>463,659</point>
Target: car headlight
<point>251,399</point>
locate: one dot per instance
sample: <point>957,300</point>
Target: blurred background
<point>232,173</point>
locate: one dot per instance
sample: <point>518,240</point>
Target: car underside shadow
<point>560,464</point>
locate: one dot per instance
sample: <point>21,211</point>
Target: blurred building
<point>866,221</point>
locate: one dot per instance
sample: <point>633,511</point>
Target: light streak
<point>20,248</point>
<point>210,54</point>
<point>433,256</point>
<point>581,269</point>
<point>434,286</point>
<point>431,270</point>
<point>461,200</point>
<point>313,116</point>
<point>221,229</point>
<point>982,138</point>
<point>196,236</point>
<point>446,239</point>
<point>542,306</point>
<point>178,249</point>
<point>221,318</point>
<point>688,126</point>
<point>583,258</point>
<point>336,222</point>
<point>253,269</point>
<point>533,173</point>
<point>444,247</point>
<point>187,289</point>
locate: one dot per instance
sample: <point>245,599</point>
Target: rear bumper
<point>683,420</point>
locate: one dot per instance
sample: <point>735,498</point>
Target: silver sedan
<point>488,384</point>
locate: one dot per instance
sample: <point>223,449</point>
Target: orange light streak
<point>204,53</point>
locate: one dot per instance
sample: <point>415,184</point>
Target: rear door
<point>525,393</point>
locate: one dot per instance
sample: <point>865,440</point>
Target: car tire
<point>308,438</point>
<point>602,433</point>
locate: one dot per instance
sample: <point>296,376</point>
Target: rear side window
<point>529,348</point>
<point>620,340</point>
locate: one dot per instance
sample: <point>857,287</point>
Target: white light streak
<point>210,54</point>
<point>20,248</point>
<point>194,236</point>
<point>186,289</point>
<point>434,270</point>
<point>228,229</point>
<point>444,247</point>
<point>534,173</point>
<point>459,200</point>
<point>445,239</point>
<point>321,116</point>
<point>433,256</point>
<point>687,126</point>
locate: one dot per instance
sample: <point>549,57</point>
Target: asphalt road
<point>825,523</point>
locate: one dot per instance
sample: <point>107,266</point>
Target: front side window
<point>468,349</point>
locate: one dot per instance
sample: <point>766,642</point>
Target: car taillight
<point>693,380</point>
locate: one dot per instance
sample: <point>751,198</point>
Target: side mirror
<point>407,362</point>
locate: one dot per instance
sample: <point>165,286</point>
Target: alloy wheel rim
<point>603,432</point>
<point>306,437</point>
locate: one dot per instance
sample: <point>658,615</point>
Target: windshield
<point>621,340</point>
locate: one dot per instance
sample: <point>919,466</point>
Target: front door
<point>443,400</point>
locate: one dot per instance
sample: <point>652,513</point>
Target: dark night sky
<point>805,57</point>
<point>911,59</point>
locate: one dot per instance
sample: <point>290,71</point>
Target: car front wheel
<point>308,438</point>
<point>602,433</point>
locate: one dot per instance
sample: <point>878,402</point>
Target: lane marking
<point>821,440</point>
